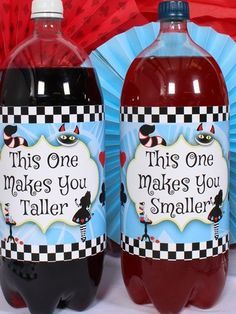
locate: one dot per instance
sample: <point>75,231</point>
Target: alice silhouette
<point>83,215</point>
<point>216,214</point>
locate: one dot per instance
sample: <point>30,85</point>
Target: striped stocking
<point>83,232</point>
<point>216,230</point>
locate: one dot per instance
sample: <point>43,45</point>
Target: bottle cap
<point>47,9</point>
<point>174,11</point>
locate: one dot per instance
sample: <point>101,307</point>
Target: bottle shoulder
<point>174,81</point>
<point>49,73</point>
<point>38,52</point>
<point>174,45</point>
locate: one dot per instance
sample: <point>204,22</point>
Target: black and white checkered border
<point>174,252</point>
<point>42,115</point>
<point>174,114</point>
<point>53,253</point>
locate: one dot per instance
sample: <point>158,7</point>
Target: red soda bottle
<point>52,226</point>
<point>174,125</point>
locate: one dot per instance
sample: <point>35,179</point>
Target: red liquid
<point>170,286</point>
<point>147,82</point>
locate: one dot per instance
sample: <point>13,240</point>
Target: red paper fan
<point>14,24</point>
<point>88,23</point>
<point>93,22</point>
<point>219,14</point>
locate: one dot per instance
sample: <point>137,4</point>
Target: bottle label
<point>174,190</point>
<point>52,183</point>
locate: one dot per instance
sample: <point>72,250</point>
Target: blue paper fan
<point>112,61</point>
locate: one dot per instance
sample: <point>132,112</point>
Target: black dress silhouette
<point>83,215</point>
<point>216,214</point>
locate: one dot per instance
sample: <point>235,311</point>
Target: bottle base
<point>44,287</point>
<point>172,286</point>
<point>13,299</point>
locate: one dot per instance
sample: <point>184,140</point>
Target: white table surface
<point>112,296</point>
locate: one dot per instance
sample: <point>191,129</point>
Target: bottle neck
<point>174,27</point>
<point>173,32</point>
<point>47,27</point>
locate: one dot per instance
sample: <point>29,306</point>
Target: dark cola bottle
<point>52,177</point>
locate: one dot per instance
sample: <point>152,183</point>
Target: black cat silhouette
<point>205,138</point>
<point>68,138</point>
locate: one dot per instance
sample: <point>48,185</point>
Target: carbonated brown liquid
<point>44,286</point>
